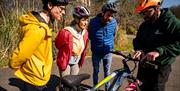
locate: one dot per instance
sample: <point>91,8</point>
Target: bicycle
<point>118,77</point>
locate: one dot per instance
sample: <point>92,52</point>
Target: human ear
<point>50,6</point>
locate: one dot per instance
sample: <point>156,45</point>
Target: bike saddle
<point>74,80</point>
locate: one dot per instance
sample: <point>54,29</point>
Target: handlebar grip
<point>118,53</point>
<point>124,56</point>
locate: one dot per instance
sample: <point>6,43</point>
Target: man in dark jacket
<point>102,30</point>
<point>157,41</point>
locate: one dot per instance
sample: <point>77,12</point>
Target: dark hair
<point>54,3</point>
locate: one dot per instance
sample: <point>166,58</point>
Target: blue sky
<point>169,3</point>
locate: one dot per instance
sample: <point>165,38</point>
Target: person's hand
<point>151,56</point>
<point>138,54</point>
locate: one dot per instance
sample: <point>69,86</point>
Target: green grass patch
<point>3,62</point>
<point>122,42</point>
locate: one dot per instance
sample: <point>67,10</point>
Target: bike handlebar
<point>129,57</point>
<point>124,56</point>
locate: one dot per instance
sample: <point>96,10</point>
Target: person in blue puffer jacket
<point>102,29</point>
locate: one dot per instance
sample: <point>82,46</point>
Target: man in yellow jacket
<point>32,59</point>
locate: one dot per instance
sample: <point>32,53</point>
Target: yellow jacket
<point>32,59</point>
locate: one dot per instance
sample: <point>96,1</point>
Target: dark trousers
<point>153,79</point>
<point>30,87</point>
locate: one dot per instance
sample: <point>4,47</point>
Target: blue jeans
<point>96,59</point>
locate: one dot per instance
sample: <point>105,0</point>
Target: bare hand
<point>138,54</point>
<point>151,56</point>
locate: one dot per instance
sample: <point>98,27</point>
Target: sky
<point>169,3</point>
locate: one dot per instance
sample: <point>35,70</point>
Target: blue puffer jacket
<point>101,35</point>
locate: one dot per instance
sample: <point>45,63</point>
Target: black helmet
<point>56,2</point>
<point>110,6</point>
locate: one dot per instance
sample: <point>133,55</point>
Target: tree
<point>176,10</point>
<point>85,2</point>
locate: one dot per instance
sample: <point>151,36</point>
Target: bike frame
<point>121,74</point>
<point>118,75</point>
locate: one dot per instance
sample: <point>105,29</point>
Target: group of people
<point>157,41</point>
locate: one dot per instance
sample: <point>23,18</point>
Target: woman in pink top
<point>71,42</point>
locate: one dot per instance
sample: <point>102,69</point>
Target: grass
<point>9,34</point>
<point>3,62</point>
<point>122,42</point>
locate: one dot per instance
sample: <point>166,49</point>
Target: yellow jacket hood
<point>29,18</point>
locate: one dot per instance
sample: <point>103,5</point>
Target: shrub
<point>122,42</point>
<point>131,30</point>
<point>9,36</point>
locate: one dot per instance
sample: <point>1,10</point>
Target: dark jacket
<point>163,36</point>
<point>101,35</point>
